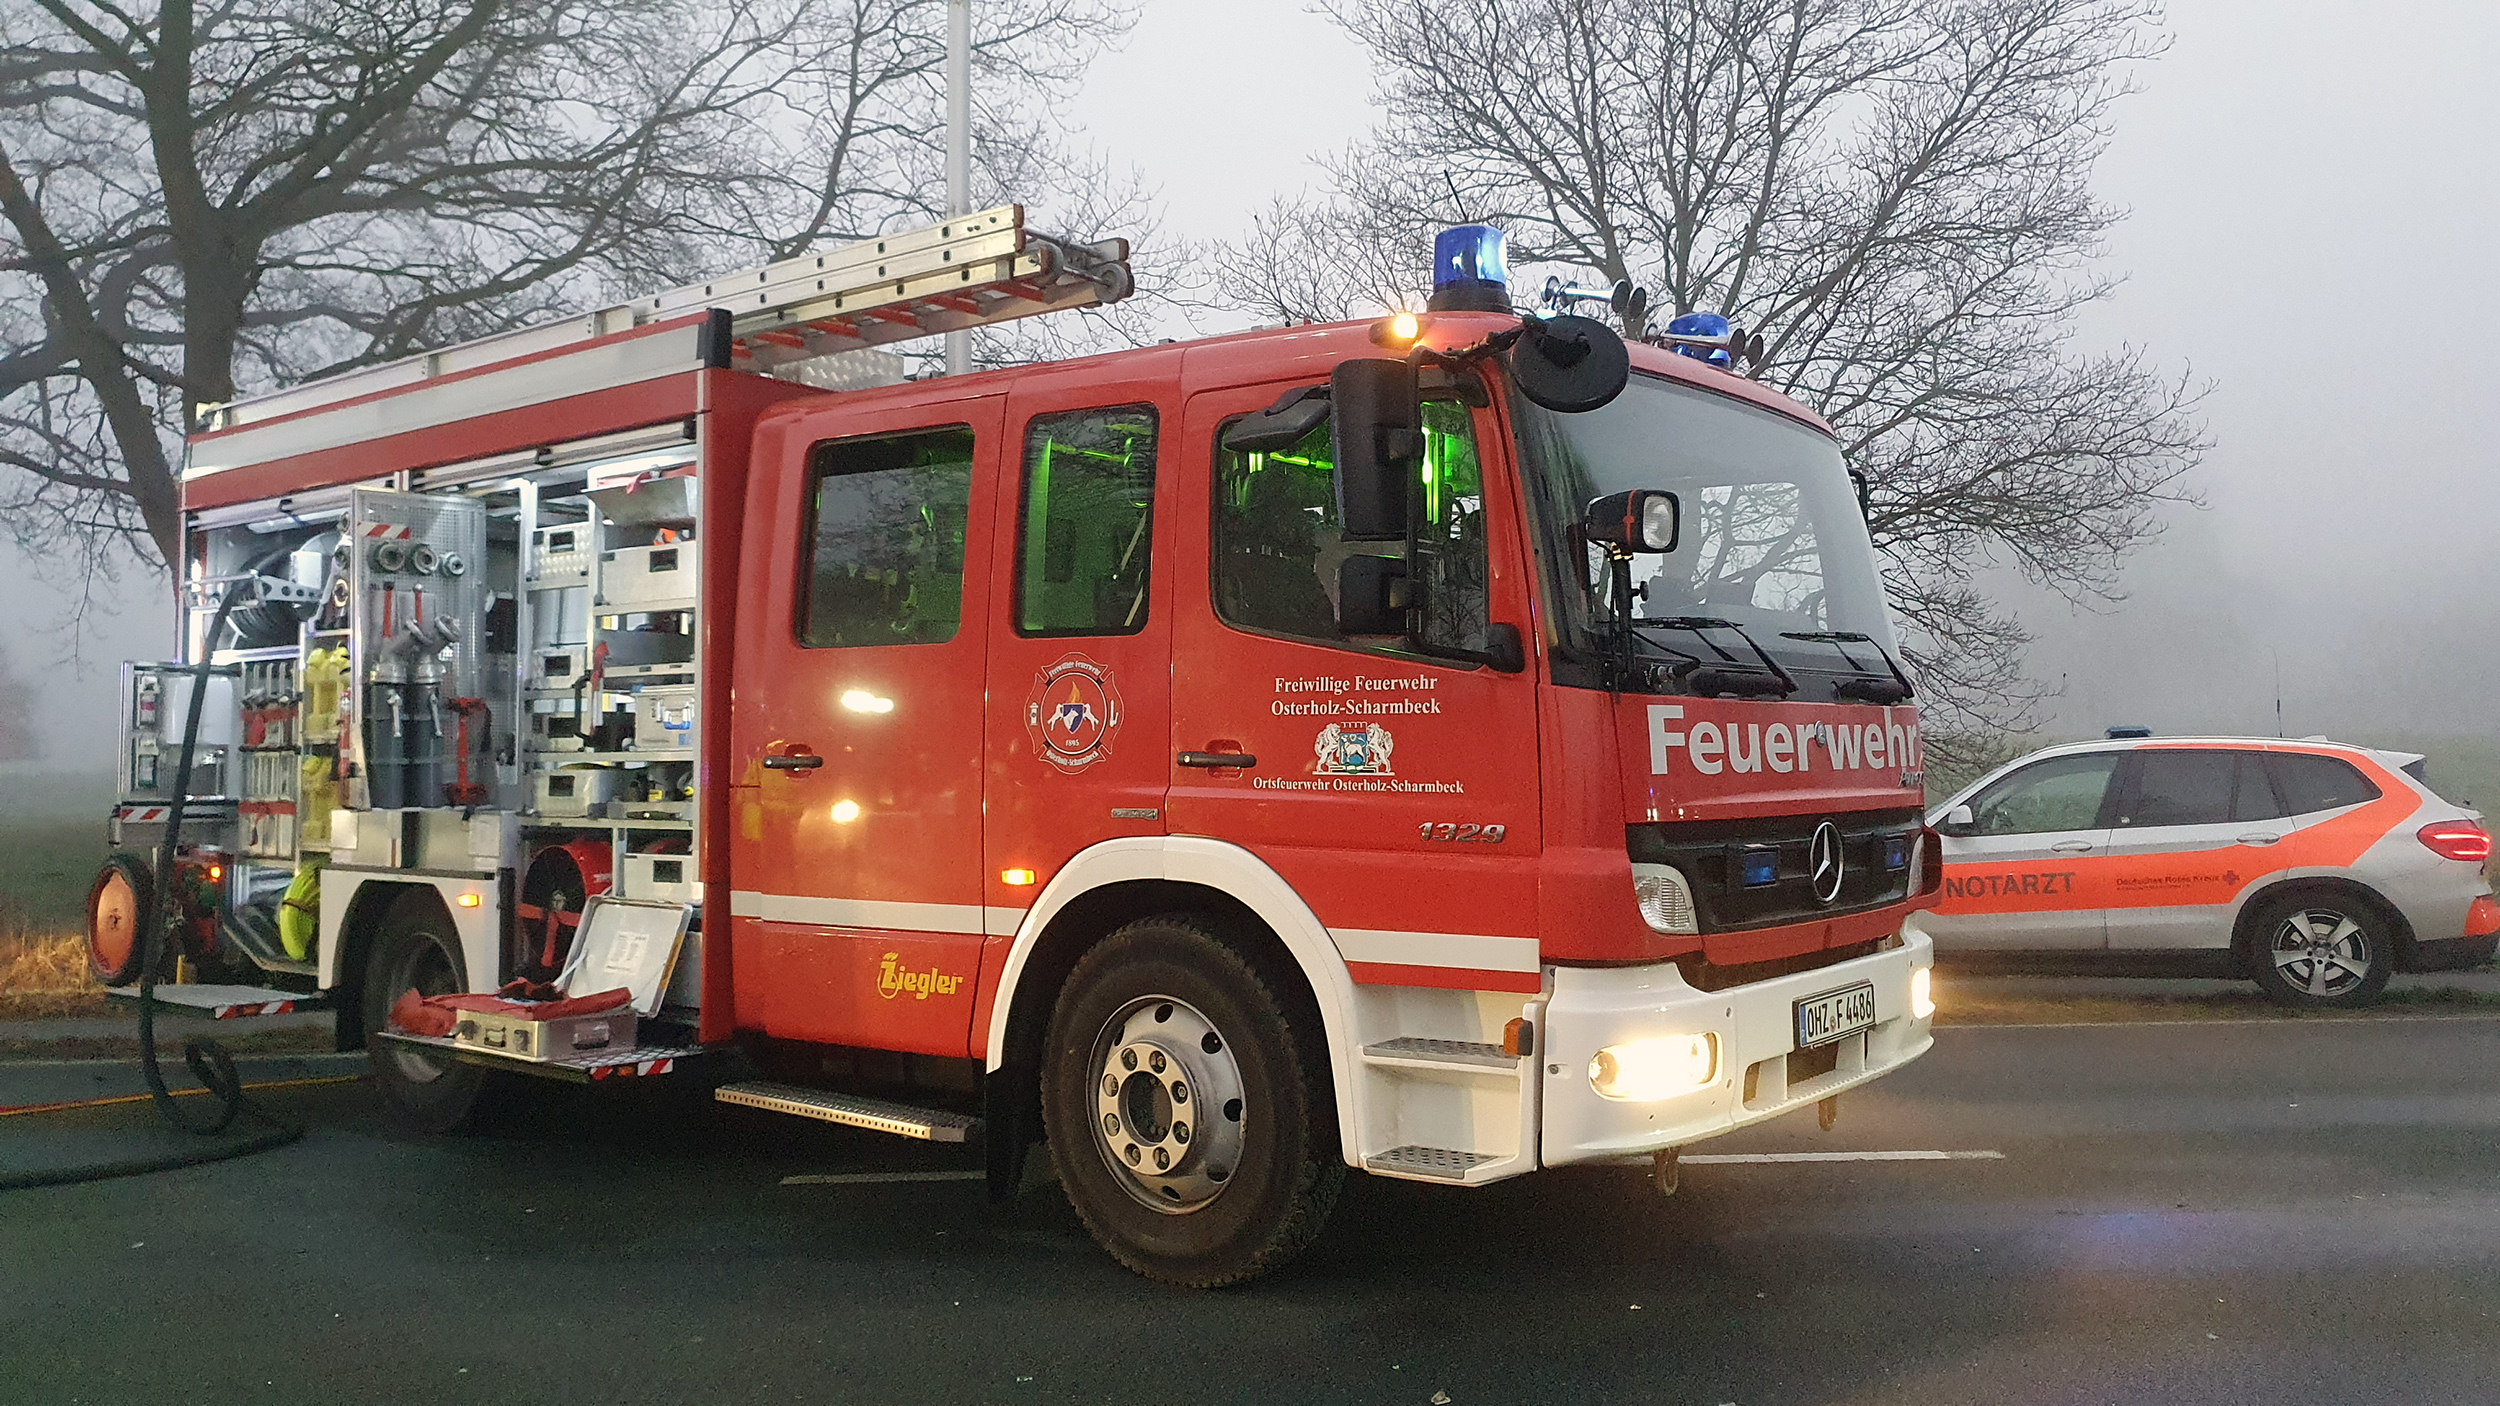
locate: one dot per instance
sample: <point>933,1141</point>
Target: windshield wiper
<point>1730,675</point>
<point>1870,687</point>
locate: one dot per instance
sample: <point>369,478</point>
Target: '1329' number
<point>1445,830</point>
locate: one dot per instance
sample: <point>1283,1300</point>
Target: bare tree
<point>204,200</point>
<point>1895,191</point>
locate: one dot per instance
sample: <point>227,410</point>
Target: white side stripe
<point>875,913</point>
<point>1767,1158</point>
<point>1467,951</point>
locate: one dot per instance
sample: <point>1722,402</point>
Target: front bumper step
<point>226,1002</point>
<point>1431,1163</point>
<point>852,1111</point>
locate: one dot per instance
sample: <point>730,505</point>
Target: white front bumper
<point>1591,1008</point>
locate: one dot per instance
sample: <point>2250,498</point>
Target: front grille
<point>1713,855</point>
<point>1702,974</point>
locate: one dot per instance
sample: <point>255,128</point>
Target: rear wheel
<point>417,950</point>
<point>1191,1125</point>
<point>115,905</point>
<point>2321,951</point>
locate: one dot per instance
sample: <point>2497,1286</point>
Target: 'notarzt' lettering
<point>2010,885</point>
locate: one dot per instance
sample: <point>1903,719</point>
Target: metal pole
<point>958,147</point>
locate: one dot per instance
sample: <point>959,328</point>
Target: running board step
<point>1437,1163</point>
<point>1415,1049</point>
<point>850,1110</point>
<point>227,1002</point>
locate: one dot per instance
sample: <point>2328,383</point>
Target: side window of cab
<point>1280,555</point>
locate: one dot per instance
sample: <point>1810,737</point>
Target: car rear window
<point>2309,782</point>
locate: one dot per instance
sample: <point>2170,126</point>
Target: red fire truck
<point>1445,747</point>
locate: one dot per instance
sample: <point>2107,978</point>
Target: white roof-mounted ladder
<point>973,271</point>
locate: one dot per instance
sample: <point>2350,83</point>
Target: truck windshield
<point>1772,538</point>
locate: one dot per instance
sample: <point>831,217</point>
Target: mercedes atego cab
<point>2318,869</point>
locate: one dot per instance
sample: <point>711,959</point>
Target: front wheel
<point>417,950</point>
<point>1194,1130</point>
<point>2322,951</point>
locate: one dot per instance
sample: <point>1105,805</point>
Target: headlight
<point>1922,998</point>
<point>1646,1070</point>
<point>1665,898</point>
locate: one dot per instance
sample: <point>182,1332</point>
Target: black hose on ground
<point>205,1058</point>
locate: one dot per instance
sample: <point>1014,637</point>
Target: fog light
<point>1645,1070</point>
<point>1922,1001</point>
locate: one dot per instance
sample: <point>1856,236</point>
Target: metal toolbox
<point>514,1034</point>
<point>664,878</point>
<point>665,573</point>
<point>555,725</point>
<point>664,719</point>
<point>558,665</point>
<point>581,791</point>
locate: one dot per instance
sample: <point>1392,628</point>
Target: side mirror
<point>1377,439</point>
<point>1639,520</point>
<point>1957,821</point>
<point>1373,596</point>
<point>1280,426</point>
<point>1866,499</point>
<point>1569,364</point>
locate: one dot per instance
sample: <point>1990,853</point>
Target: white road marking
<point>871,1178</point>
<point>1752,1158</point>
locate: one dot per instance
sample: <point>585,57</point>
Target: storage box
<point>667,575</point>
<point>575,791</point>
<point>515,1034</point>
<point>636,647</point>
<point>664,719</point>
<point>558,665</point>
<point>661,878</point>
<point>560,555</point>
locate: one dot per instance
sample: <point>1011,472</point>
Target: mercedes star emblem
<point>1823,856</point>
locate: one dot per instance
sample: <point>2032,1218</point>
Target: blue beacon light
<point>1701,324</point>
<point>1470,270</point>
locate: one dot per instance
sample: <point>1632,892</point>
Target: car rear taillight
<point>2456,839</point>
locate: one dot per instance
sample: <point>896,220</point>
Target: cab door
<point>2026,872</point>
<point>1394,788</point>
<point>857,903</point>
<point>1080,659</point>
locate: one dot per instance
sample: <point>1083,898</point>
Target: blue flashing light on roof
<point>1470,270</point>
<point>1701,324</point>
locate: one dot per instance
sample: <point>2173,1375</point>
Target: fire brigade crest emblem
<point>1072,713</point>
<point>1352,751</point>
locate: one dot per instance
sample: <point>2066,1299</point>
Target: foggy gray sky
<point>2312,203</point>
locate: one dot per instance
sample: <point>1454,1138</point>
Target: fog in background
<point>2312,230</point>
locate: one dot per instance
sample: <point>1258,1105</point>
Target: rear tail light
<point>2456,839</point>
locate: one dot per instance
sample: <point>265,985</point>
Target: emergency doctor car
<point>2319,869</point>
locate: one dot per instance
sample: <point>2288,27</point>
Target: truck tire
<point>416,948</point>
<point>116,904</point>
<point>2321,949</point>
<point>1192,1124</point>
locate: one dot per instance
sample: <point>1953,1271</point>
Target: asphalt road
<point>2272,1212</point>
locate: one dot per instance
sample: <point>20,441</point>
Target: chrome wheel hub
<point>1168,1112</point>
<point>2321,952</point>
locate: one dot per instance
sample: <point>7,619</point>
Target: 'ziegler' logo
<point>2010,885</point>
<point>893,981</point>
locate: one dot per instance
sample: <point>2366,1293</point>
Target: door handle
<point>1218,759</point>
<point>2071,846</point>
<point>2259,839</point>
<point>795,761</point>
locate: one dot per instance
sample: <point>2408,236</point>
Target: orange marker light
<point>469,900</point>
<point>1017,877</point>
<point>216,872</point>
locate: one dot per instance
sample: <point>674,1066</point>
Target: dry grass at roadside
<point>44,975</point>
<point>1995,1007</point>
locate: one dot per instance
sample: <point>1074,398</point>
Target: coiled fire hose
<point>205,1058</point>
